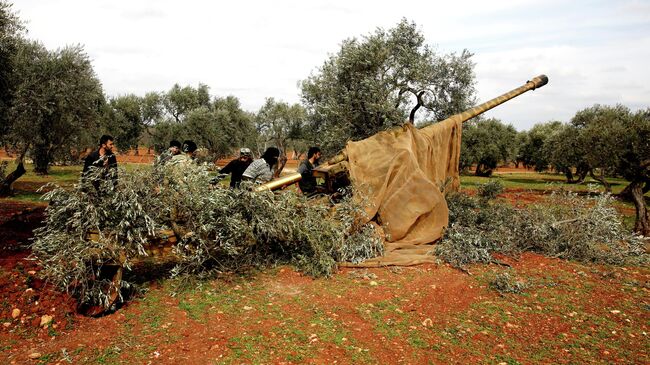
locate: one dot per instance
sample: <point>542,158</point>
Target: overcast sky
<point>592,51</point>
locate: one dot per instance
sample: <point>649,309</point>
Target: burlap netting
<point>401,172</point>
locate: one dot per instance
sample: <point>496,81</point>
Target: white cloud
<point>592,51</point>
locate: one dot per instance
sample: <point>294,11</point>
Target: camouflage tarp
<point>402,172</point>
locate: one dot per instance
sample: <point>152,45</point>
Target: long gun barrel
<point>534,83</point>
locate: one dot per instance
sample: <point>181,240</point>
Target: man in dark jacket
<point>103,161</point>
<point>173,150</point>
<point>237,167</point>
<point>308,183</point>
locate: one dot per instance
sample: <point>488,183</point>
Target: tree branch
<point>419,96</point>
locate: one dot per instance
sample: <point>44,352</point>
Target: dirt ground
<point>569,313</point>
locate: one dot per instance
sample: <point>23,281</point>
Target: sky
<point>593,52</point>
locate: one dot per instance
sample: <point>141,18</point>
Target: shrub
<point>566,226</point>
<point>490,189</point>
<point>504,283</point>
<point>218,229</point>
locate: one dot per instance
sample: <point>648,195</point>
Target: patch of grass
<point>195,309</point>
<point>539,182</point>
<point>108,355</point>
<point>152,313</point>
<point>247,347</point>
<point>47,358</point>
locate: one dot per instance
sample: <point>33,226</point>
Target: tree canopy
<point>56,103</point>
<point>282,125</point>
<point>379,81</point>
<point>486,143</point>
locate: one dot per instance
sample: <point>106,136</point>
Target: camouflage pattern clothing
<point>259,171</point>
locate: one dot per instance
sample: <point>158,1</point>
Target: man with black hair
<point>104,159</point>
<point>187,157</point>
<point>308,183</point>
<point>237,167</point>
<point>261,170</point>
<point>173,150</point>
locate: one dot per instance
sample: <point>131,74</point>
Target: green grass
<point>28,184</point>
<point>540,182</point>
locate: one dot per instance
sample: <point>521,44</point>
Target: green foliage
<point>506,284</point>
<point>565,152</point>
<point>56,102</point>
<point>533,150</point>
<point>179,101</point>
<point>490,189</point>
<point>3,169</point>
<point>11,33</point>
<point>568,226</point>
<point>218,229</point>
<point>219,124</point>
<point>372,83</point>
<point>486,143</point>
<point>71,257</point>
<point>124,120</point>
<point>282,125</point>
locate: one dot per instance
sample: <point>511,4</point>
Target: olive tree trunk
<point>642,223</point>
<point>7,182</point>
<point>601,178</point>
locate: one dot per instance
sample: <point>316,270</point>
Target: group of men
<point>242,168</point>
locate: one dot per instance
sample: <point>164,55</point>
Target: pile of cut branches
<point>218,229</point>
<point>587,229</point>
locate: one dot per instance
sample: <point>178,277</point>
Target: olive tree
<point>124,121</point>
<point>11,33</point>
<point>607,141</point>
<point>532,151</point>
<point>486,143</point>
<point>634,165</point>
<point>281,125</point>
<point>382,80</point>
<point>55,106</point>
<point>565,152</point>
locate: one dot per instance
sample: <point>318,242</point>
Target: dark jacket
<point>108,162</point>
<point>236,168</point>
<point>308,182</point>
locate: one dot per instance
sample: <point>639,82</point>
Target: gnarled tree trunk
<point>642,223</point>
<point>601,178</point>
<point>5,185</point>
<point>626,194</point>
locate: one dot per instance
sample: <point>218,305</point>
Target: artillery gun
<point>335,173</point>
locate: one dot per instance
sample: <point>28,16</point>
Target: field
<point>567,312</point>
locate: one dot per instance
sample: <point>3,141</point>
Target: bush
<point>490,189</point>
<point>218,229</point>
<point>504,283</point>
<point>567,226</point>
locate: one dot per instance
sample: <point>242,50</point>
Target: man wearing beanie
<point>187,157</point>
<point>261,170</point>
<point>173,150</point>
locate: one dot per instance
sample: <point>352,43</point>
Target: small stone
<point>247,308</point>
<point>31,272</point>
<point>15,313</point>
<point>34,355</point>
<point>373,283</point>
<point>45,320</point>
<point>427,322</point>
<point>6,324</point>
<point>615,311</point>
